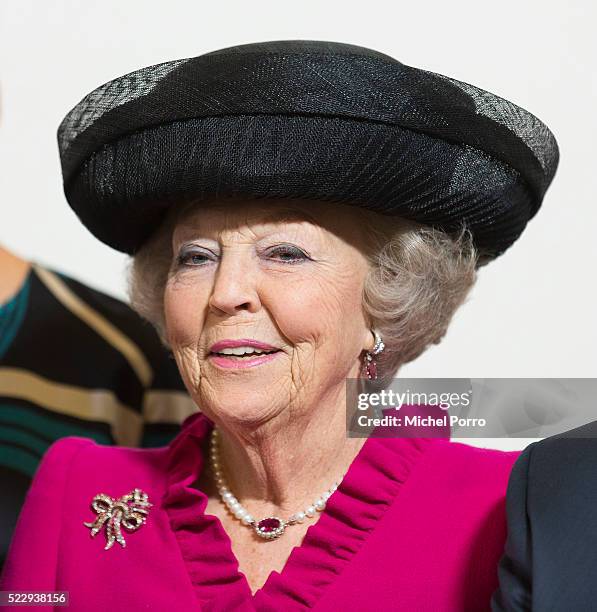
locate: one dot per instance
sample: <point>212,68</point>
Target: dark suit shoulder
<point>552,526</point>
<point>565,460</point>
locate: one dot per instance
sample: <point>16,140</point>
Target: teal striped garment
<point>77,362</point>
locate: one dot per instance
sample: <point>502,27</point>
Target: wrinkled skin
<point>234,284</point>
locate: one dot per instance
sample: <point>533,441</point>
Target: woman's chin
<point>245,417</point>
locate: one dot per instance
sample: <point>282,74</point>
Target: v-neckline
<point>368,488</point>
<point>226,536</point>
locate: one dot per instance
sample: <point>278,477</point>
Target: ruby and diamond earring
<point>369,363</point>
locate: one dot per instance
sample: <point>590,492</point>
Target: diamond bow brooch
<point>129,511</point>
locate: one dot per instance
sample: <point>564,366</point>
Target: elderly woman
<point>299,213</point>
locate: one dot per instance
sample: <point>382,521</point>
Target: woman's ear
<point>369,340</point>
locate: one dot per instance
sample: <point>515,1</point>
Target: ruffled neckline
<point>368,488</point>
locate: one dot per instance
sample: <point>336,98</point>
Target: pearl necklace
<point>272,526</point>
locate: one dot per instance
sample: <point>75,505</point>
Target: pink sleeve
<point>32,556</point>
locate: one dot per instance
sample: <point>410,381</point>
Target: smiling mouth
<point>245,355</point>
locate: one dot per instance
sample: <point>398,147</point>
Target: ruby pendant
<point>270,527</point>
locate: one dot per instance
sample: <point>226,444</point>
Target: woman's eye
<point>192,259</point>
<point>287,254</point>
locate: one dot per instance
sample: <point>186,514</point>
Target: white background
<point>532,312</point>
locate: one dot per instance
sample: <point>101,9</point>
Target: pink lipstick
<point>243,353</point>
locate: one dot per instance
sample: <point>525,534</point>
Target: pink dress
<point>416,525</point>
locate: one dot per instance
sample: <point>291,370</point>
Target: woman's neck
<point>286,464</point>
<point>13,272</point>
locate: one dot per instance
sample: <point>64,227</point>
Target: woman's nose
<point>235,284</point>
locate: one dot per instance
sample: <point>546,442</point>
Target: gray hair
<point>418,278</point>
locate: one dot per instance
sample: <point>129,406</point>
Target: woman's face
<point>267,271</point>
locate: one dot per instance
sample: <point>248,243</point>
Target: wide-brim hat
<point>315,120</point>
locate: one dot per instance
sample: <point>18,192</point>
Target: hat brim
<point>122,192</point>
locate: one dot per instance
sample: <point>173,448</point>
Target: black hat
<point>315,120</point>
